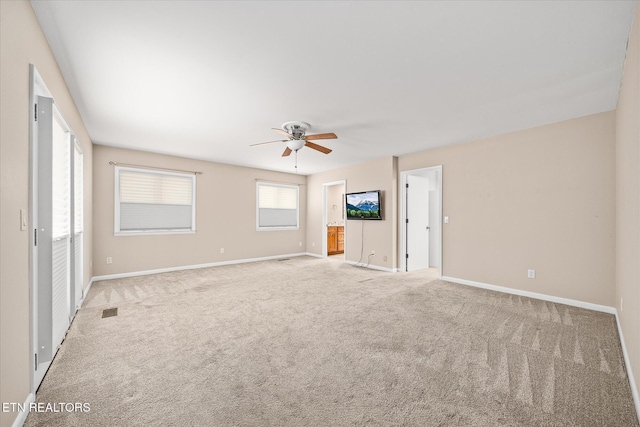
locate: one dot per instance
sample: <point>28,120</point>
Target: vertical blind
<point>155,201</point>
<point>277,205</point>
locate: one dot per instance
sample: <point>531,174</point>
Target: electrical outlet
<point>373,252</point>
<point>446,220</point>
<point>109,260</point>
<point>300,243</point>
<point>621,307</point>
<point>221,250</point>
<point>384,258</point>
<point>313,244</point>
<point>531,274</point>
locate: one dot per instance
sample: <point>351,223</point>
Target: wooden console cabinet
<point>335,239</point>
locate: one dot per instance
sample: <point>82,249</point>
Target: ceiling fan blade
<point>268,142</point>
<point>330,135</point>
<point>287,151</point>
<point>282,132</point>
<point>320,148</point>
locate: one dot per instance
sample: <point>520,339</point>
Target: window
<point>154,202</point>
<point>277,206</point>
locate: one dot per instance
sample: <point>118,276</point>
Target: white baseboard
<point>373,267</point>
<point>359,264</point>
<point>193,267</point>
<point>22,415</point>
<point>314,255</point>
<point>627,362</point>
<point>544,297</point>
<point>85,292</point>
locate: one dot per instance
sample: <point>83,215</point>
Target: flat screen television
<point>363,205</point>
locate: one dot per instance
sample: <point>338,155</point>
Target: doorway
<point>421,219</point>
<point>333,220</point>
<point>56,224</point>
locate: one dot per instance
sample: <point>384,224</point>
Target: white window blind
<point>61,179</point>
<point>277,206</point>
<point>78,190</point>
<point>154,201</point>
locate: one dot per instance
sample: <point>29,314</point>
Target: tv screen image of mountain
<point>364,205</point>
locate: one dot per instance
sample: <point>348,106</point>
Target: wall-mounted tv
<point>364,205</point>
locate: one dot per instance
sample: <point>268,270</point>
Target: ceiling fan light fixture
<point>295,144</point>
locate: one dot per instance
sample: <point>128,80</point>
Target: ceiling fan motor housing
<point>296,129</point>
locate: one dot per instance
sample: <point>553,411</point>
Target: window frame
<point>280,228</point>
<point>116,219</point>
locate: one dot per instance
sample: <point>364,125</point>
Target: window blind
<point>155,201</point>
<point>78,190</point>
<point>277,206</point>
<point>61,180</point>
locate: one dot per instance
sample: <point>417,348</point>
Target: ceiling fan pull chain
<point>296,161</point>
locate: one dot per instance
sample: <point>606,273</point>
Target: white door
<point>417,222</point>
<point>53,233</point>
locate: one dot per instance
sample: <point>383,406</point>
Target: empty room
<point>314,213</point>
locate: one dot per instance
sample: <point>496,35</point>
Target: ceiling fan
<point>295,132</point>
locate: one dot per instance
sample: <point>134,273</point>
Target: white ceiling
<point>206,79</point>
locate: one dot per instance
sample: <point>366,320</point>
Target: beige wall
<point>21,43</point>
<point>628,199</point>
<point>542,198</point>
<point>378,235</point>
<point>225,217</point>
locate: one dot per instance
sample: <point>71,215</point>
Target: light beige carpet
<point>311,342</point>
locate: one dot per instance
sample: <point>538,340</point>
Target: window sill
<point>152,233</point>
<point>277,228</point>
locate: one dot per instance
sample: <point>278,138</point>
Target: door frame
<point>325,216</point>
<point>403,215</point>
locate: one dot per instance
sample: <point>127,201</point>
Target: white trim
<point>314,255</point>
<point>627,362</point>
<point>85,292</point>
<point>544,297</point>
<point>152,232</point>
<point>373,267</point>
<point>403,216</point>
<point>195,266</point>
<point>22,415</point>
<point>325,244</point>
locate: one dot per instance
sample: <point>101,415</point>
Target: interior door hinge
<point>407,220</point>
<point>407,185</point>
<point>35,112</point>
<point>35,237</point>
<point>36,361</point>
<point>407,256</point>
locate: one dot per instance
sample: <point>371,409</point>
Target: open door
<point>57,227</point>
<point>53,235</point>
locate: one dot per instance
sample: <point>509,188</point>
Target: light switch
<point>24,219</point>
<point>446,220</point>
